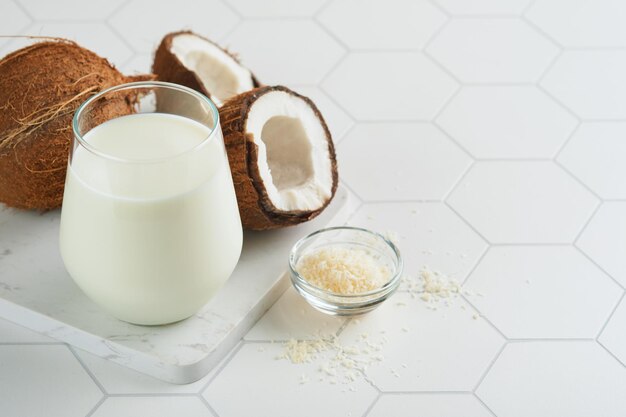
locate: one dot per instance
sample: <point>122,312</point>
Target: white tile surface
<point>426,163</point>
<point>338,121</point>
<point>523,202</point>
<point>12,20</point>
<point>256,383</point>
<point>291,317</point>
<point>143,23</point>
<point>138,64</point>
<point>574,379</point>
<point>390,86</point>
<point>285,51</point>
<point>543,292</point>
<point>152,406</point>
<point>596,155</point>
<point>44,381</point>
<point>13,333</point>
<point>362,61</point>
<point>613,336</point>
<point>492,50</point>
<point>95,36</point>
<point>276,8</point>
<point>581,23</point>
<point>604,239</point>
<point>484,7</point>
<point>507,122</point>
<point>431,405</point>
<point>432,350</point>
<point>70,9</point>
<point>590,82</point>
<point>412,28</point>
<point>428,234</point>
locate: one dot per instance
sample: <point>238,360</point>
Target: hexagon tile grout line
<point>611,353</point>
<point>485,406</point>
<point>208,405</point>
<point>623,297</point>
<point>233,352</point>
<point>540,30</point>
<point>598,265</point>
<point>483,317</point>
<point>96,406</point>
<point>89,372</point>
<point>113,29</point>
<point>484,374</point>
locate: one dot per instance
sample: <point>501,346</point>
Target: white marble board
<point>36,292</point>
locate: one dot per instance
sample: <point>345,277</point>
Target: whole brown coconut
<point>281,155</point>
<point>41,86</point>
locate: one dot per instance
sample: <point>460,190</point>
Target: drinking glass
<point>150,227</point>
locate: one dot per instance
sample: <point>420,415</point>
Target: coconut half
<point>281,156</point>
<point>196,62</point>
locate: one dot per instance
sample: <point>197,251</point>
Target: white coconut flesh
<point>293,157</point>
<point>220,74</point>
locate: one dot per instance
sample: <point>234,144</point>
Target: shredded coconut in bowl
<point>343,270</point>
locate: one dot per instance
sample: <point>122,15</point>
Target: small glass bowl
<point>346,237</point>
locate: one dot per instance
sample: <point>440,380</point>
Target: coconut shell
<point>41,86</point>
<point>168,67</point>
<point>256,209</point>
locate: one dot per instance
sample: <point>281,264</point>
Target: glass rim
<point>136,85</point>
<point>388,286</point>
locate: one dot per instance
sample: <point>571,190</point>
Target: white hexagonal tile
<point>153,406</point>
<point>277,8</point>
<point>139,64</point>
<point>523,202</point>
<point>574,379</point>
<point>484,7</point>
<point>591,83</point>
<point>143,23</point>
<point>244,388</point>
<point>285,51</point>
<point>613,336</point>
<point>596,155</point>
<point>581,23</point>
<point>97,37</point>
<point>492,50</point>
<point>604,239</point>
<point>70,9</point>
<point>13,333</point>
<point>427,234</point>
<point>12,20</point>
<point>432,350</point>
<point>426,164</point>
<point>507,122</point>
<point>432,405</point>
<point>338,121</point>
<point>40,380</point>
<point>390,86</point>
<point>411,28</point>
<point>291,317</point>
<point>543,292</point>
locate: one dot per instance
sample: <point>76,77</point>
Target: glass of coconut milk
<point>150,228</point>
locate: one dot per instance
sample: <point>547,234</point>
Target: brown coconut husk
<point>256,209</point>
<point>41,86</point>
<point>168,67</point>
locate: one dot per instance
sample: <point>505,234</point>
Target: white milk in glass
<point>153,235</point>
